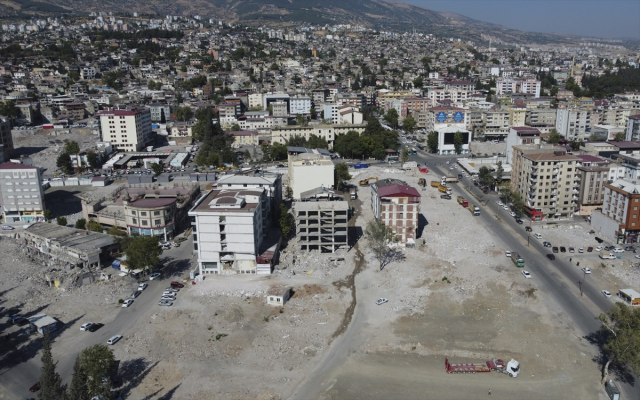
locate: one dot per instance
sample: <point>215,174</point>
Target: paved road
<point>15,382</point>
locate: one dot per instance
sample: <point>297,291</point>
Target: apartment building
<point>279,109</point>
<point>230,232</point>
<point>328,132</point>
<point>181,133</point>
<point>300,105</point>
<point>415,105</point>
<point>526,86</point>
<point>520,135</point>
<point>21,193</point>
<point>255,101</point>
<point>574,123</point>
<point>619,220</point>
<point>633,128</point>
<point>310,170</point>
<point>269,98</point>
<point>446,116</point>
<point>150,217</point>
<point>618,116</point>
<point>517,115</point>
<point>271,183</point>
<point>160,112</point>
<point>127,128</point>
<point>544,119</point>
<point>546,178</point>
<point>6,140</point>
<point>397,205</point>
<point>321,225</point>
<point>593,173</point>
<point>455,94</point>
<point>496,123</point>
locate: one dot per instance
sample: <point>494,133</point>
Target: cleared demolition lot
<point>455,295</point>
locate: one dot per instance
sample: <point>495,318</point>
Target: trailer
<point>435,184</point>
<point>517,260</point>
<point>449,179</point>
<point>512,368</point>
<point>474,210</point>
<point>462,201</point>
<point>444,189</point>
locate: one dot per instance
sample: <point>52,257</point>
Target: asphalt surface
<point>15,382</point>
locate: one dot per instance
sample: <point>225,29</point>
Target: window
<point>143,213</point>
<point>145,222</point>
<point>133,212</point>
<point>135,220</point>
<point>157,222</point>
<point>156,213</point>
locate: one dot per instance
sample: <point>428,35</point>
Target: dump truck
<point>512,368</point>
<point>365,182</point>
<point>422,182</point>
<point>435,184</point>
<point>517,260</point>
<point>462,201</point>
<point>444,189</point>
<point>449,179</point>
<point>473,209</point>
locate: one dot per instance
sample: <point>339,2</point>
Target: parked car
<point>572,250</point>
<point>114,339</point>
<point>499,203</point>
<point>629,248</point>
<point>606,293</point>
<point>134,294</point>
<point>598,239</point>
<point>526,274</point>
<point>445,196</point>
<point>507,253</point>
<point>555,249</point>
<point>599,248</point>
<point>551,257</point>
<point>519,221</point>
<point>168,293</point>
<point>167,303</point>
<point>581,250</point>
<point>563,249</point>
<point>177,284</point>
<point>546,244</point>
<point>7,228</point>
<point>15,318</point>
<point>127,303</point>
<point>618,250</point>
<point>589,249</point>
<point>86,326</point>
<point>512,214</point>
<point>586,270</point>
<point>171,289</point>
<point>154,276</point>
<point>166,297</point>
<point>527,229</point>
<point>142,286</point>
<point>537,236</point>
<point>381,301</point>
<point>35,387</point>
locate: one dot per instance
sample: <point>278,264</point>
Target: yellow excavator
<point>422,182</point>
<point>365,182</point>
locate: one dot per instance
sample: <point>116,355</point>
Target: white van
<point>537,236</point>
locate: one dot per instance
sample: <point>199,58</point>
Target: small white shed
<point>277,296</point>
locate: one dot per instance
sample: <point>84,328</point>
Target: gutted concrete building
<point>322,225</point>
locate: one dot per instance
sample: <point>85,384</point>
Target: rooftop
<point>228,200</point>
<point>12,165</point>
<point>71,237</point>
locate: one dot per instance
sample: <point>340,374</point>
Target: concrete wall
<point>606,226</point>
<point>307,177</point>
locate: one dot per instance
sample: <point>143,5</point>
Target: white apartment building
<point>229,228</point>
<point>128,129</point>
<point>520,135</point>
<point>496,123</point>
<point>509,85</point>
<point>254,101</point>
<point>279,109</point>
<point>88,72</point>
<point>530,86</point>
<point>21,193</point>
<point>633,128</point>
<point>309,171</point>
<point>271,183</point>
<point>300,105</point>
<point>572,123</point>
<point>457,95</point>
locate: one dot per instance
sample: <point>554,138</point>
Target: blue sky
<point>603,18</point>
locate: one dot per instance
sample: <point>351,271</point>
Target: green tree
<point>48,215</point>
<point>92,159</point>
<point>575,144</point>
<point>286,221</point>
<point>409,124</point>
<point>157,168</point>
<point>317,142</point>
<point>116,231</point>
<point>278,152</point>
<point>404,156</point>
<point>71,147</point>
<point>51,387</point>
<point>499,172</point>
<point>484,175</point>
<point>94,226</point>
<point>143,252</point>
<point>593,137</point>
<point>619,137</point>
<point>418,82</point>
<point>64,163</point>
<point>78,388</point>
<point>97,362</point>
<point>554,136</point>
<point>342,174</point>
<point>392,117</point>
<point>247,155</point>
<point>314,113</point>
<point>457,142</point>
<point>517,203</point>
<point>506,194</point>
<point>62,221</point>
<point>288,193</point>
<point>621,335</point>
<point>81,224</point>
<point>9,109</point>
<point>378,235</point>
<point>432,141</point>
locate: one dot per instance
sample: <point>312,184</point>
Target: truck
<point>605,255</point>
<point>512,368</point>
<point>435,184</point>
<point>410,165</point>
<point>444,189</point>
<point>473,209</point>
<point>353,193</point>
<point>449,179</point>
<point>517,260</point>
<point>462,201</point>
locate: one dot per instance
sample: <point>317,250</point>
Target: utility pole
<point>584,276</point>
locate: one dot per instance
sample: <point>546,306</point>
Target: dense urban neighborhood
<point>199,208</point>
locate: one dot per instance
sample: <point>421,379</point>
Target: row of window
<point>145,222</point>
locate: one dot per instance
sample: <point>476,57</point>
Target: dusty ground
<point>487,148</point>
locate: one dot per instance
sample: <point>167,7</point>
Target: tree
<point>392,117</point>
<point>621,335</point>
<point>247,155</point>
<point>484,175</point>
<point>378,235</point>
<point>432,141</point>
<point>506,194</point>
<point>64,163</point>
<point>9,110</point>
<point>157,168</point>
<point>71,147</point>
<point>116,231</point>
<point>593,137</point>
<point>554,136</point>
<point>286,221</point>
<point>143,252</point>
<point>499,172</point>
<point>48,215</point>
<point>575,144</point>
<point>314,113</point>
<point>78,388</point>
<point>404,156</point>
<point>409,124</point>
<point>94,226</point>
<point>457,142</point>
<point>619,137</point>
<point>92,159</point>
<point>517,203</point>
<point>51,387</point>
<point>81,224</point>
<point>342,174</point>
<point>278,152</point>
<point>288,193</point>
<point>62,221</point>
<point>97,362</point>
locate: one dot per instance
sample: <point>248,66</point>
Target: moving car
<point>165,303</point>
<point>7,228</point>
<point>142,286</point>
<point>177,284</point>
<point>551,257</point>
<point>114,339</point>
<point>586,270</point>
<point>381,301</point>
<point>154,276</point>
<point>537,236</point>
<point>87,326</point>
<point>546,244</point>
<point>127,303</point>
<point>528,228</point>
<point>526,274</point>
<point>512,214</point>
<point>507,253</point>
<point>606,293</point>
<point>519,221</point>
<point>35,387</point>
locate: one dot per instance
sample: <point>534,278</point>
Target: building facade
<point>128,129</point>
<point>6,140</point>
<point>21,193</point>
<point>321,225</point>
<point>397,206</point>
<point>620,216</point>
<point>574,123</point>
<point>309,171</point>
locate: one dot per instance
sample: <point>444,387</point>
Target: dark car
<point>563,249</point>
<point>546,244</point>
<point>551,257</point>
<point>609,247</point>
<point>445,196</point>
<point>519,221</point>
<point>35,388</point>
<point>177,284</point>
<point>555,249</point>
<point>598,239</point>
<point>589,249</point>
<point>475,183</point>
<point>528,228</point>
<point>629,248</point>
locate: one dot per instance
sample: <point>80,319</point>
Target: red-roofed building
<point>396,205</point>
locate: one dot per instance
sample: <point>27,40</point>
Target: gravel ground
<point>489,148</point>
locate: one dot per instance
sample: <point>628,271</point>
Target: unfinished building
<point>322,225</point>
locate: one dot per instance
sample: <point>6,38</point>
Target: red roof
<point>398,191</point>
<point>12,165</point>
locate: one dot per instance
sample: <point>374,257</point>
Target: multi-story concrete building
<point>510,85</point>
<point>496,123</point>
<point>300,105</point>
<point>328,132</point>
<point>181,133</point>
<point>272,183</point>
<point>574,123</point>
<point>593,173</point>
<point>21,193</point>
<point>310,170</point>
<point>520,135</point>
<point>6,140</point>
<point>230,232</point>
<point>396,205</point>
<point>517,115</point>
<point>606,132</point>
<point>279,108</point>
<point>269,98</point>
<point>546,178</point>
<point>321,225</point>
<point>254,101</point>
<point>159,112</point>
<point>633,128</point>
<point>128,129</point>
<point>543,119</point>
<point>446,117</point>
<point>618,116</point>
<point>619,220</point>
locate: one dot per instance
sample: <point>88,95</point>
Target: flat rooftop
<point>71,237</point>
<point>231,197</point>
<point>321,205</point>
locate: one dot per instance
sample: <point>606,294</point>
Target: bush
<point>120,301</point>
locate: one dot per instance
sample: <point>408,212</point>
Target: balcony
<point>533,178</point>
<point>556,170</point>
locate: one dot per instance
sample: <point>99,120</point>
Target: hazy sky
<point>602,18</point>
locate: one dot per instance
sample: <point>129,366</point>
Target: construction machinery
<point>365,182</point>
<point>422,182</point>
<point>512,368</point>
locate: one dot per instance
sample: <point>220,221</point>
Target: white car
<point>171,298</point>
<point>618,250</point>
<point>581,250</point>
<point>127,303</point>
<point>451,168</point>
<point>142,286</point>
<point>86,326</point>
<point>507,253</point>
<point>505,207</point>
<point>526,274</point>
<point>599,248</point>
<point>537,236</point>
<point>165,303</point>
<point>586,270</point>
<point>499,203</point>
<point>606,293</point>
<point>7,228</point>
<point>154,276</point>
<point>172,289</point>
<point>381,301</point>
<point>637,256</point>
<point>168,293</point>
<point>114,339</point>
<point>512,214</point>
